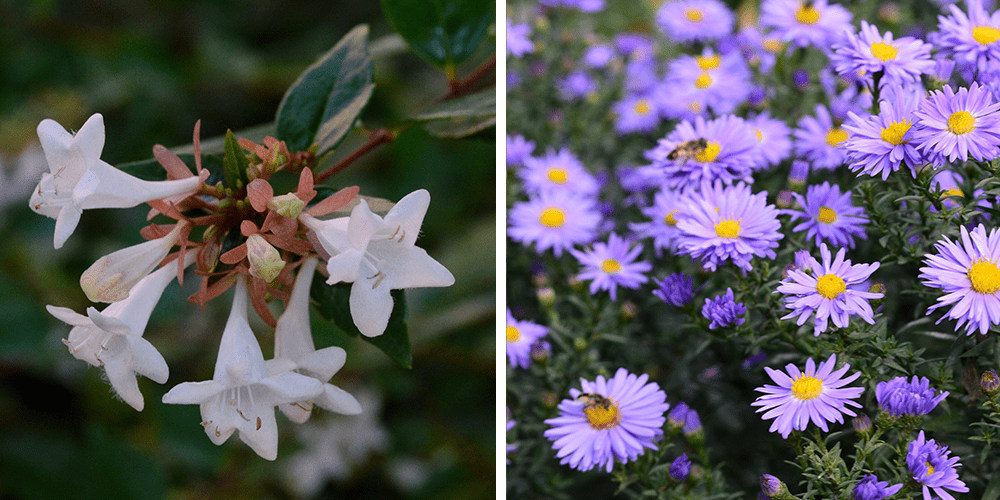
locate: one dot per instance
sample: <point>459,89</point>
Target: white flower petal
<point>370,308</point>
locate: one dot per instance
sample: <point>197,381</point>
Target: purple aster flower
<point>636,113</point>
<point>717,81</point>
<point>555,219</point>
<point>760,51</point>
<point>968,274</point>
<point>678,416</point>
<point>970,40</point>
<point>773,143</point>
<point>632,44</point>
<point>576,85</point>
<point>818,140</point>
<point>799,173</point>
<point>829,216</point>
<point>518,43</point>
<point>695,20</point>
<point>729,223</point>
<point>959,124</point>
<point>898,397</point>
<point>612,264</point>
<point>676,289</point>
<point>520,336</point>
<point>953,196</point>
<point>582,5</point>
<point>805,23</point>
<point>723,311</point>
<point>518,148</point>
<point>827,291</point>
<point>662,226</point>
<point>730,152</point>
<point>598,56</point>
<point>557,171</point>
<point>901,60</point>
<point>933,468</point>
<point>608,419</point>
<point>680,468</point>
<point>882,143</point>
<point>870,488</point>
<point>818,395</point>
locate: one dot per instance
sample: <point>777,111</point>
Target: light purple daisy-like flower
<point>724,311</point>
<point>898,397</point>
<point>576,85</point>
<point>557,171</point>
<point>820,141</point>
<point>773,142</point>
<point>933,468</point>
<point>582,5</point>
<point>615,418</point>
<point>520,337</point>
<point>518,148</point>
<point>518,43</point>
<point>554,220</point>
<point>870,488</point>
<point>598,56</point>
<point>829,216</point>
<point>612,264</point>
<point>972,40</point>
<point>967,272</point>
<point>662,226</point>
<point>881,144</point>
<point>815,394</point>
<point>868,52</point>
<point>959,124</point>
<point>695,20</point>
<point>720,82</point>
<point>760,51</point>
<point>636,113</point>
<point>729,153</point>
<point>729,223</point>
<point>805,23</point>
<point>827,291</point>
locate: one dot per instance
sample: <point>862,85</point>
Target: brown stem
<point>377,138</point>
<point>458,88</point>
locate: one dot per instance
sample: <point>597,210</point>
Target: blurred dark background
<point>153,69</point>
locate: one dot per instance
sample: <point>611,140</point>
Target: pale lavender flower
<point>723,311</point>
<point>695,20</point>
<point>933,468</point>
<point>968,274</point>
<point>829,216</point>
<point>898,397</point>
<point>612,264</point>
<point>554,220</point>
<point>962,124</point>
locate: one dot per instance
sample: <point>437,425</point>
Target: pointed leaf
<point>235,163</point>
<point>461,117</point>
<point>323,104</point>
<point>333,303</point>
<point>442,32</point>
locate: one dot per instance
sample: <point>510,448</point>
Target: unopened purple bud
<point>678,416</point>
<point>990,382</point>
<point>540,350</point>
<point>770,485</point>
<point>801,78</point>
<point>680,468</point>
<point>862,423</point>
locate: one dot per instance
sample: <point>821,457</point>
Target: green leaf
<point>323,104</point>
<point>332,302</point>
<point>442,32</point>
<point>461,117</point>
<point>235,163</point>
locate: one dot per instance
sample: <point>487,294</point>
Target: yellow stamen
<point>830,286</point>
<point>953,192</point>
<point>558,175</point>
<point>883,51</point>
<point>961,122</point>
<point>710,153</point>
<point>552,217</point>
<point>893,134</point>
<point>694,15</point>
<point>985,34</point>
<point>513,334</point>
<point>985,277</point>
<point>694,107</point>
<point>603,418</point>
<point>760,136</point>
<point>642,107</point>
<point>703,81</point>
<point>670,218</point>
<point>728,228</point>
<point>827,215</point>
<point>835,136</point>
<point>807,15</point>
<point>709,62</point>
<point>806,388</point>
<point>611,266</point>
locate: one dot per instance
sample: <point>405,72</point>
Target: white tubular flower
<point>241,395</point>
<point>378,255</point>
<point>110,278</point>
<point>294,350</point>
<point>112,338</point>
<point>79,179</point>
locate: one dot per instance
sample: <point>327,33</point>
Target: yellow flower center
<point>642,107</point>
<point>883,51</point>
<point>806,388</point>
<point>603,418</point>
<point>961,122</point>
<point>513,334</point>
<point>772,45</point>
<point>827,215</point>
<point>728,228</point>
<point>985,34</point>
<point>552,217</point>
<point>807,15</point>
<point>703,81</point>
<point>670,218</point>
<point>709,62</point>
<point>893,134</point>
<point>835,136</point>
<point>611,266</point>
<point>710,153</point>
<point>558,175</point>
<point>930,468</point>
<point>953,192</point>
<point>830,286</point>
<point>694,106</point>
<point>985,277</point>
<point>694,15</point>
<point>760,136</point>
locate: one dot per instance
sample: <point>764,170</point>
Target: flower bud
<point>288,205</point>
<point>550,400</point>
<point>112,277</point>
<point>862,424</point>
<point>629,310</point>
<point>541,351</point>
<point>546,297</point>
<point>579,344</point>
<point>677,417</point>
<point>265,261</point>
<point>989,382</point>
<point>771,486</point>
<point>680,468</point>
